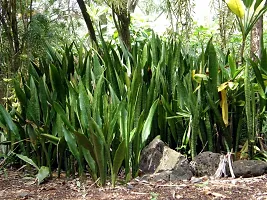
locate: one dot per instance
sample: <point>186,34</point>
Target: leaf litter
<point>13,185</point>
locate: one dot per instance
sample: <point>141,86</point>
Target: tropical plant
<point>248,13</point>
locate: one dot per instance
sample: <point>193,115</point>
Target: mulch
<point>16,184</point>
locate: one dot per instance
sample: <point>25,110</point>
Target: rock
<point>22,193</point>
<point>249,168</point>
<point>205,163</point>
<point>170,160</point>
<point>165,163</point>
<point>174,175</point>
<point>151,155</point>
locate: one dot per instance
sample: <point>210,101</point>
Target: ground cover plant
<point>92,109</point>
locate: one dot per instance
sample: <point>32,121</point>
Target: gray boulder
<point>249,168</point>
<point>151,155</point>
<point>163,163</point>
<point>205,163</point>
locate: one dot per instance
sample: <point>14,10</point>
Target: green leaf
<point>27,160</point>
<point>248,3</point>
<point>8,120</point>
<point>91,162</point>
<point>44,98</point>
<point>148,122</point>
<point>52,138</point>
<point>33,109</point>
<point>84,104</point>
<point>20,93</point>
<point>144,56</point>
<point>98,131</point>
<point>118,158</point>
<point>71,142</point>
<point>212,62</point>
<point>232,65</point>
<point>259,78</point>
<point>63,115</point>
<point>83,140</point>
<point>58,86</point>
<point>42,174</point>
<point>98,69</point>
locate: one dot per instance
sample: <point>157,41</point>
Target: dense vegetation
<point>77,107</point>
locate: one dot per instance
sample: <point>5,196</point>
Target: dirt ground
<point>17,185</point>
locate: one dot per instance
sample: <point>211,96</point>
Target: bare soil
<point>17,185</point>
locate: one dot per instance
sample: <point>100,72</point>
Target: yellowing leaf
<point>237,7</point>
<point>222,86</point>
<point>193,73</point>
<point>199,77</point>
<point>224,106</point>
<point>232,85</point>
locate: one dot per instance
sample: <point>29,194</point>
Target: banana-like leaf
<point>20,93</point>
<point>34,71</point>
<point>83,140</point>
<point>84,105</point>
<point>63,115</point>
<point>44,99</point>
<point>154,48</point>
<point>8,121</point>
<point>118,158</point>
<point>57,82</point>
<point>33,109</point>
<point>71,142</point>
<point>32,135</point>
<point>98,141</point>
<point>144,55</point>
<point>212,61</point>
<point>91,162</point>
<point>259,78</point>
<point>27,160</point>
<point>147,126</point>
<point>98,69</point>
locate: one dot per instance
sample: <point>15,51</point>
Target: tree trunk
<point>87,20</point>
<point>256,39</point>
<point>122,20</point>
<point>124,28</point>
<point>9,21</point>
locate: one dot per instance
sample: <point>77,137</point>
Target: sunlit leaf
<point>147,126</point>
<point>237,7</point>
<point>42,174</point>
<point>224,106</point>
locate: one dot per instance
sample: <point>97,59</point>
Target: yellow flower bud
<point>237,7</point>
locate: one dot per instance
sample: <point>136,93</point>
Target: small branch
<point>230,164</point>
